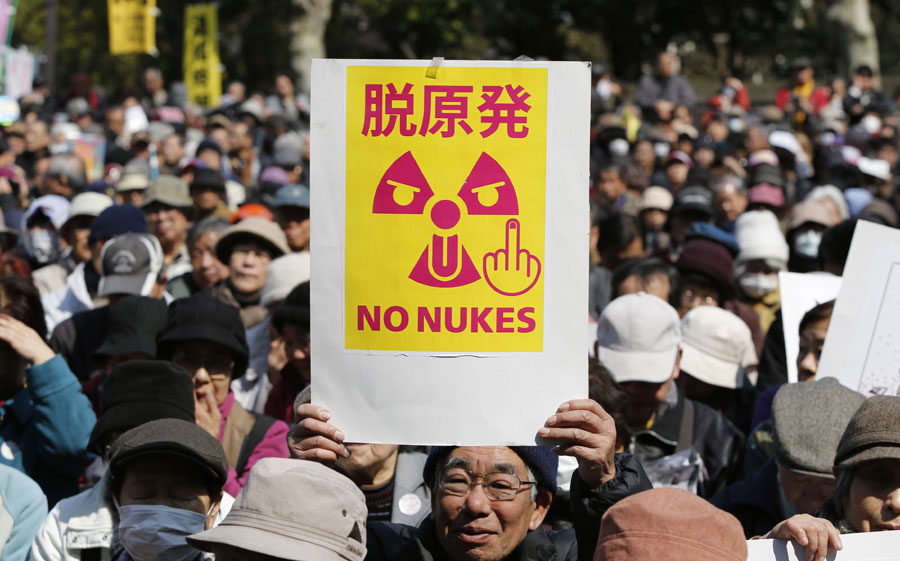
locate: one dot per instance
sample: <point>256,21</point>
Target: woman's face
<point>873,503</point>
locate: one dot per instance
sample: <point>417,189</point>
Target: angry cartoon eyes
<point>488,195</point>
<point>403,193</point>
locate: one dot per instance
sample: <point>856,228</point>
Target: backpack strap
<point>686,432</point>
<point>254,437</point>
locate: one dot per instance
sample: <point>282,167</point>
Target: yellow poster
<point>446,191</point>
<point>132,26</point>
<point>202,68</point>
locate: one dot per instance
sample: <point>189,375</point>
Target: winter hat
<point>810,211</point>
<point>880,212</point>
<point>656,198</point>
<point>542,462</point>
<point>133,324</point>
<point>206,177</point>
<point>759,237</point>
<point>174,437</point>
<point>834,195</point>
<point>140,391</point>
<point>285,273</point>
<point>294,309</point>
<point>872,434</point>
<point>54,207</point>
<point>821,408</point>
<point>204,318</point>
<point>672,524</point>
<point>710,259</point>
<point>117,220</point>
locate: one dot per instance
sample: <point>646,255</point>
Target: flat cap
<point>173,437</point>
<point>872,434</point>
<point>821,408</point>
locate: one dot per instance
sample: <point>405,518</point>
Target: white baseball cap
<point>638,337</point>
<point>88,204</point>
<point>715,344</point>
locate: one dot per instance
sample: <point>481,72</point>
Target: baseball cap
<point>265,519</point>
<point>131,264</point>
<point>292,195</point>
<point>715,344</point>
<point>677,156</point>
<point>767,194</point>
<point>694,197</point>
<point>118,219</point>
<point>638,337</point>
<point>88,204</point>
<point>168,190</point>
<point>656,198</point>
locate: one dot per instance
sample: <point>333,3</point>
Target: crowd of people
<point>155,324</point>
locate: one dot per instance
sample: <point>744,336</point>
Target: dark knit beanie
<point>542,462</point>
<point>295,308</point>
<point>710,259</point>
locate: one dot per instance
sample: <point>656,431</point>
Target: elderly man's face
<point>167,223</point>
<point>807,493</point>
<point>249,264</point>
<point>208,270</point>
<point>730,203</point>
<point>474,527</point>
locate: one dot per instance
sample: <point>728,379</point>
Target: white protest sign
<point>801,292</point>
<point>135,119</point>
<point>18,72</point>
<point>868,546</point>
<point>449,283</point>
<point>862,348</point>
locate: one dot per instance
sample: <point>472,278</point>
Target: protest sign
<point>132,26</point>
<point>18,72</point>
<point>449,277</point>
<point>91,148</point>
<point>868,546</point>
<point>8,10</point>
<point>799,294</point>
<point>202,68</point>
<point>862,348</point>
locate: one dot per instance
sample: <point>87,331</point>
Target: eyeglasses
<point>245,250</point>
<point>498,486</point>
<point>217,367</point>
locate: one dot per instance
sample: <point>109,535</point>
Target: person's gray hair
<point>453,462</point>
<point>71,167</point>
<point>729,179</point>
<point>211,224</point>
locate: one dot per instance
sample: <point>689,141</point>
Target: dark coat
<point>396,542</point>
<point>754,502</point>
<point>713,437</point>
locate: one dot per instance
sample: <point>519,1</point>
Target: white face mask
<point>618,147</point>
<point>151,532</point>
<point>807,243</point>
<point>871,124</point>
<point>756,286</point>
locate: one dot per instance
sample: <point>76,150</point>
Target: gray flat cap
<point>873,433</point>
<point>809,419</point>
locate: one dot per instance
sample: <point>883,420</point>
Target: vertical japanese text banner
<point>132,26</point>
<point>202,73</point>
<point>451,226</point>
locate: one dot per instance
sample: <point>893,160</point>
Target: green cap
<point>168,190</point>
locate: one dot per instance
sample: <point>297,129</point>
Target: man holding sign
<point>488,502</point>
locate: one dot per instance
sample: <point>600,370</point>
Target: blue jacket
<point>23,508</point>
<point>45,427</point>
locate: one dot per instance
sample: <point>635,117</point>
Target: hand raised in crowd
<point>314,438</point>
<point>815,534</point>
<point>587,433</point>
<point>24,340</point>
<point>209,418</point>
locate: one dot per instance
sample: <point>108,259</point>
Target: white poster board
<point>801,292</point>
<point>450,221</point>
<point>18,67</point>
<point>870,546</point>
<point>862,348</point>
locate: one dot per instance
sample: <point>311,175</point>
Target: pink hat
<point>679,156</point>
<point>670,524</point>
<point>767,194</point>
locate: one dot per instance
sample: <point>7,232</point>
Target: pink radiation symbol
<point>445,262</point>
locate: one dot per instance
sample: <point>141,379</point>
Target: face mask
<point>604,88</point>
<point>661,149</point>
<point>807,243</point>
<point>42,245</point>
<point>150,532</point>
<point>871,124</point>
<point>757,286</point>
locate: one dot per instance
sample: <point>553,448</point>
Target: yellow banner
<point>132,26</point>
<point>445,205</point>
<point>202,73</point>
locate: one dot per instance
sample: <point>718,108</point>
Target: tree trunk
<point>308,37</point>
<point>861,44</point>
